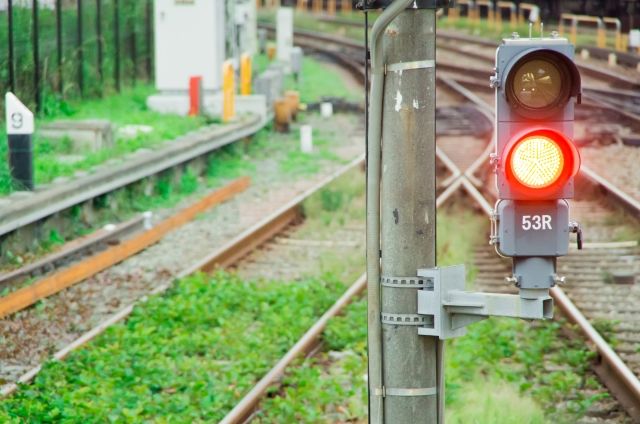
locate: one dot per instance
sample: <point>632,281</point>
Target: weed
<point>163,187</point>
<point>188,182</point>
<point>332,200</point>
<point>607,329</point>
<point>184,359</point>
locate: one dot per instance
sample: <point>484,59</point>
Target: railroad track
<point>463,173</point>
<point>20,210</point>
<point>225,256</point>
<point>617,375</point>
<point>629,61</point>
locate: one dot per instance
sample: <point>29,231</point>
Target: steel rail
<point>268,227</point>
<point>609,358</point>
<point>78,247</point>
<point>243,409</point>
<point>625,386</point>
<point>598,72</point>
<point>60,280</point>
<point>212,260</point>
<point>629,60</point>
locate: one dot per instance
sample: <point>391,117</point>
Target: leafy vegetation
<point>317,80</point>
<point>189,355</point>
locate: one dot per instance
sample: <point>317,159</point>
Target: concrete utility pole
<point>406,380</point>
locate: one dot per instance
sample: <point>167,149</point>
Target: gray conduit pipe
<point>373,208</point>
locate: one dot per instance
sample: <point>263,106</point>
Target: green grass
<point>310,22</point>
<point>495,402</point>
<point>129,108</point>
<point>317,81</point>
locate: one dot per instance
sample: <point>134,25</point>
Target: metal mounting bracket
<point>452,308</point>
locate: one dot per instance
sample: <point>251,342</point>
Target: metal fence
<point>52,49</point>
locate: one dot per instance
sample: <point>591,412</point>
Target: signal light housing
<point>535,158</point>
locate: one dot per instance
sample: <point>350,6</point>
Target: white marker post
<point>20,127</point>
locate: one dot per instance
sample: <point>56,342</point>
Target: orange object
<point>195,95</point>
<point>67,277</point>
<point>293,98</point>
<point>282,113</point>
<point>228,92</point>
<point>271,51</point>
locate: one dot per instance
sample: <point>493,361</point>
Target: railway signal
<point>535,159</point>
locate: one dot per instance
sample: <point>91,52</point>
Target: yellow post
<point>317,6</point>
<point>574,31</point>
<point>331,7</point>
<point>454,14</point>
<point>624,43</point>
<point>228,92</point>
<point>346,6</point>
<point>245,74</point>
<point>602,38</point>
<point>258,4</point>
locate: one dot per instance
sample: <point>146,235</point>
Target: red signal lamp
<point>539,163</point>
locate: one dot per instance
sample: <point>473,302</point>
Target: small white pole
<point>306,139</point>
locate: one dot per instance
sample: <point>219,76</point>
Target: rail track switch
<point>449,308</point>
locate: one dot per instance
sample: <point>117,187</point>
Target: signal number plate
<point>536,222</point>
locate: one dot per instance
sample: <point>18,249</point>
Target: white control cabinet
<point>189,41</point>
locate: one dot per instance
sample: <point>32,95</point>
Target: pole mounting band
<point>392,391</point>
<point>406,282</point>
<point>406,319</point>
<point>405,66</point>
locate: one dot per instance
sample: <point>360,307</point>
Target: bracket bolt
<point>559,279</point>
<point>512,280</point>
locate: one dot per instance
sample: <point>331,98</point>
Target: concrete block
<point>177,103</point>
<point>254,103</point>
<point>269,84</point>
<point>170,103</point>
<point>90,134</point>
